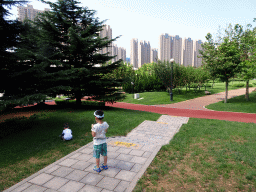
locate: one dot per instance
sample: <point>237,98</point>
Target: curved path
<point>200,102</point>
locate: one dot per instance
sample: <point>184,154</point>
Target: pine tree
<point>9,30</point>
<point>68,37</point>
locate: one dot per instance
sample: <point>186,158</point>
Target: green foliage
<point>238,85</point>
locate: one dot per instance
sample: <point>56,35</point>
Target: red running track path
<point>220,115</point>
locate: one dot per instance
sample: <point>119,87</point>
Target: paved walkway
<point>128,159</point>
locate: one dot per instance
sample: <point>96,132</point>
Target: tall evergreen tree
<point>9,30</point>
<point>68,37</point>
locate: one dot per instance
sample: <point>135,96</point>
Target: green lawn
<point>157,98</point>
<point>29,145</point>
<point>205,155</point>
<point>236,104</point>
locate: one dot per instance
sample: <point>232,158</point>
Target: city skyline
<point>147,20</point>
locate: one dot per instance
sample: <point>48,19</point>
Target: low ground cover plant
<point>205,155</point>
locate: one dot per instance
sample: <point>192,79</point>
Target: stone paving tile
<point>75,155</point>
<point>41,179</point>
<point>91,179</point>
<point>72,186</point>
<point>149,148</point>
<point>105,190</point>
<point>136,152</point>
<point>112,155</point>
<point>124,150</point>
<point>90,188</point>
<point>108,183</point>
<point>84,157</point>
<point>77,175</point>
<point>113,162</point>
<point>146,154</point>
<point>110,172</point>
<point>124,165</point>
<point>86,150</point>
<point>125,175</point>
<point>62,171</point>
<point>136,168</point>
<point>56,183</point>
<point>54,168</point>
<point>68,162</point>
<point>81,165</point>
<point>35,188</point>
<point>50,190</point>
<point>122,186</point>
<point>139,160</point>
<point>124,157</point>
<point>112,148</point>
<point>22,187</point>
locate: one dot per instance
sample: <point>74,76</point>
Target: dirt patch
<point>16,115</point>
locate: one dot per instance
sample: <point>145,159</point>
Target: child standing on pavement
<point>99,140</point>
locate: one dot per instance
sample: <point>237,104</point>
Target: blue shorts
<point>100,150</point>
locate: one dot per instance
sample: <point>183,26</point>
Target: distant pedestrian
<point>66,133</point>
<point>99,131</point>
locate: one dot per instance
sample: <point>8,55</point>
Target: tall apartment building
<point>188,59</point>
<point>121,54</point>
<point>28,12</point>
<point>114,52</point>
<point>106,32</point>
<point>176,49</point>
<point>197,47</point>
<point>143,53</point>
<point>134,53</point>
<point>154,56</point>
<point>164,53</point>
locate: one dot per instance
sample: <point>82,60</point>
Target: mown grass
<point>158,98</point>
<point>205,155</point>
<point>236,104</point>
<point>34,143</point>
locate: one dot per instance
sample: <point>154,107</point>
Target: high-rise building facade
<point>176,49</point>
<point>134,53</point>
<point>114,52</point>
<point>164,53</point>
<point>143,53</point>
<point>188,52</point>
<point>121,54</point>
<point>28,12</point>
<point>197,47</point>
<point>106,32</point>
<point>154,56</point>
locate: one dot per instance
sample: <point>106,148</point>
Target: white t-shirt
<point>100,130</point>
<point>67,134</point>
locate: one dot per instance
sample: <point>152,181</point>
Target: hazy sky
<point>147,19</point>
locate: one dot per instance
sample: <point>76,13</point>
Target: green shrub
<point>238,85</point>
<point>207,85</point>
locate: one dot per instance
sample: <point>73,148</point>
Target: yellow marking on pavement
<point>118,143</point>
<point>162,122</point>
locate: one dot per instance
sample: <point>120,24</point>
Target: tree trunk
<point>226,95</point>
<point>78,96</point>
<point>212,83</point>
<point>247,91</point>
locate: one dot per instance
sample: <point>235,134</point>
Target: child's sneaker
<point>104,166</point>
<point>96,169</point>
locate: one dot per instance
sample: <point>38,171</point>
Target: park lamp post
<point>171,94</point>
